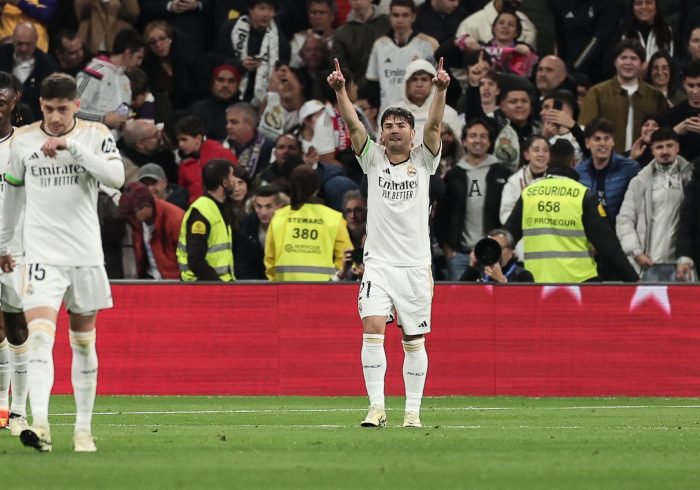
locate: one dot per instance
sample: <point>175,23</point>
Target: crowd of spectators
<point>608,89</point>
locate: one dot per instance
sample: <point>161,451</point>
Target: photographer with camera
<point>493,260</point>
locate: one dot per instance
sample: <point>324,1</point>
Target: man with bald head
<point>551,74</point>
<point>29,64</point>
<point>141,143</point>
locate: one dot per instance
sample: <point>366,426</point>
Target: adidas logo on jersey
<point>35,156</point>
<point>387,171</point>
<point>388,60</point>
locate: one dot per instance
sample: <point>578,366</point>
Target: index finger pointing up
<point>337,65</point>
<point>440,64</point>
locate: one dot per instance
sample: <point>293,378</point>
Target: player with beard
<point>397,256</point>
<point>205,249</point>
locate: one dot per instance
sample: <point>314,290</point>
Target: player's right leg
<point>41,324</point>
<point>375,306</point>
<point>374,368</point>
<point>43,288</point>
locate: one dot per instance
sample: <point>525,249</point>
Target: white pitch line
<point>356,427</point>
<point>341,410</point>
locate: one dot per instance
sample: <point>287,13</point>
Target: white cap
<point>309,108</point>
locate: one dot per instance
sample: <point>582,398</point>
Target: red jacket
<point>166,232</point>
<point>190,173</point>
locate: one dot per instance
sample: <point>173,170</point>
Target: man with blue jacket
<point>607,174</point>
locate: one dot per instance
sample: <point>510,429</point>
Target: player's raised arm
<point>431,131</point>
<point>358,134</point>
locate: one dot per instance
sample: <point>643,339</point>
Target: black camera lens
<point>487,251</point>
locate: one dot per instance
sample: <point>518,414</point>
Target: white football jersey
<point>387,65</point>
<point>16,243</point>
<point>398,206</point>
<point>61,225</point>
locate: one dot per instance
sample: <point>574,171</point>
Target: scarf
<point>268,55</point>
<point>249,157</point>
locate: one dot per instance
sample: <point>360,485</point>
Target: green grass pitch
<point>308,443</point>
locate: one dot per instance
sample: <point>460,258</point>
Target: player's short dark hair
<point>692,70</point>
<point>128,38</point>
<point>481,121</point>
<point>633,45</point>
<point>663,134</point>
<point>59,86</point>
<point>398,113</point>
<point>403,3</point>
<point>190,125</point>
<point>214,173</point>
<point>598,124</point>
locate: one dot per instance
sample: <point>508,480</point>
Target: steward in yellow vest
<point>562,230</point>
<point>204,251</point>
<point>305,241</point>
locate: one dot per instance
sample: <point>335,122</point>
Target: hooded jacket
<point>420,112</point>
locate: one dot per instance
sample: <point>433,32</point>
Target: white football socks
<point>84,377</point>
<point>374,367</point>
<point>19,354</point>
<point>42,333</point>
<point>415,368</point>
<point>4,374</point>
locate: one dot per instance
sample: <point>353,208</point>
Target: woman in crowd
<point>641,149</point>
<point>537,157</point>
<point>177,68</point>
<point>661,74</point>
<point>239,199</point>
<point>646,22</point>
<point>509,55</point>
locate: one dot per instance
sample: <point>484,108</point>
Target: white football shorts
<point>406,290</point>
<point>84,290</point>
<point>10,285</point>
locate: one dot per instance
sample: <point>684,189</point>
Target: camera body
<point>487,251</point>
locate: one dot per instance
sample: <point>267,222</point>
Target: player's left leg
<point>88,294</point>
<point>84,378</point>
<point>413,303</point>
<point>415,369</point>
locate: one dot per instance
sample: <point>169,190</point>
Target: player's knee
<point>413,343</point>
<point>42,333</point>
<point>82,340</point>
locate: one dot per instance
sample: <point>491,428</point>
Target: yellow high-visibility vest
<point>303,242</point>
<point>556,247</point>
<point>219,250</point>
